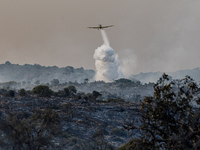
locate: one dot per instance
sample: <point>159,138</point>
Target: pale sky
<point>148,35</point>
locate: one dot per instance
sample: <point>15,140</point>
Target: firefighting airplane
<point>100,27</point>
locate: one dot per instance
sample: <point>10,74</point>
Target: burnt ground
<point>83,123</point>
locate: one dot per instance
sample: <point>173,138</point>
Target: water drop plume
<point>106,62</point>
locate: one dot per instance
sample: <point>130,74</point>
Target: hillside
<point>71,122</point>
<point>32,73</point>
<point>43,74</point>
<point>154,76</point>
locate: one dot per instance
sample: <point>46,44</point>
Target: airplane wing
<point>93,27</point>
<point>107,26</point>
<point>101,27</point>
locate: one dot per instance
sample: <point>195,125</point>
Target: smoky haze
<point>156,35</point>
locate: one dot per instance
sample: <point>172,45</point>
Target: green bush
<point>42,90</point>
<point>10,93</point>
<point>22,92</point>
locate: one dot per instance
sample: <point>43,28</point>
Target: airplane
<point>100,27</point>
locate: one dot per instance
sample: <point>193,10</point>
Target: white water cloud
<point>106,62</point>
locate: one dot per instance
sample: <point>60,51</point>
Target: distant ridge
<point>45,74</point>
<point>32,73</point>
<point>154,76</point>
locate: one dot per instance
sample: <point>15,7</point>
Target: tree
<point>168,119</point>
<point>67,92</point>
<point>72,89</point>
<point>29,133</point>
<point>123,80</point>
<point>10,93</point>
<point>7,63</point>
<point>42,90</point>
<point>22,92</point>
<point>96,94</point>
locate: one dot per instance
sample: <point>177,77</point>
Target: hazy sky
<point>149,35</point>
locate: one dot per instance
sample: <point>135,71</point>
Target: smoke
<point>106,62</point>
<point>129,62</point>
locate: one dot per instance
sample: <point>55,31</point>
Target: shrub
<point>22,92</point>
<point>21,130</point>
<point>96,94</point>
<point>10,93</point>
<point>42,90</point>
<point>72,89</point>
<point>67,92</point>
<point>61,93</point>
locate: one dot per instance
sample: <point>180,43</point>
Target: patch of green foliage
<point>169,119</point>
<point>22,92</point>
<point>10,93</point>
<point>42,91</point>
